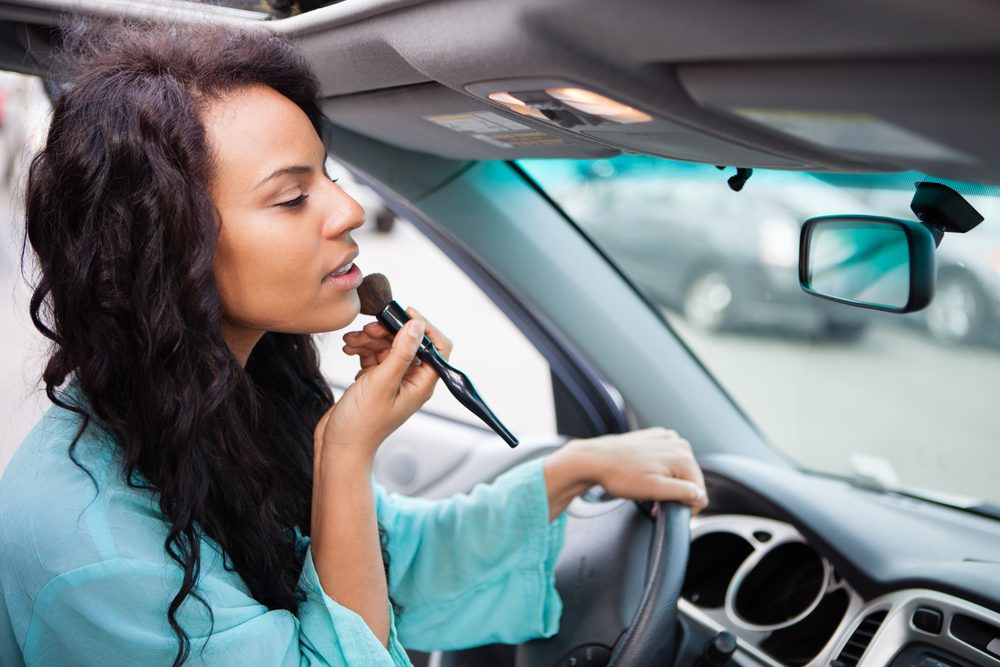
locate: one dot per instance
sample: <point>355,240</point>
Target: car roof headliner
<point>827,85</point>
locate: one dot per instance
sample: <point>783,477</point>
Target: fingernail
<point>415,327</point>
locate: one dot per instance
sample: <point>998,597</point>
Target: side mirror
<point>868,261</point>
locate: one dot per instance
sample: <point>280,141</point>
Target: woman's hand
<point>391,385</point>
<point>647,464</point>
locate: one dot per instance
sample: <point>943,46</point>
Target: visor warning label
<point>496,130</point>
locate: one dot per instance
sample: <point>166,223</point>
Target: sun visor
<point>937,117</point>
<point>556,119</point>
<point>434,119</point>
<point>590,114</point>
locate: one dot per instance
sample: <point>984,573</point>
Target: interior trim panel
<point>919,583</point>
<point>779,593</point>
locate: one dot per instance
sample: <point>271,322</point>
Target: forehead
<point>256,129</point>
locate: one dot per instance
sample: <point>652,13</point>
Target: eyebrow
<point>297,169</point>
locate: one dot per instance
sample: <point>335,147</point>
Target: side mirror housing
<point>868,261</point>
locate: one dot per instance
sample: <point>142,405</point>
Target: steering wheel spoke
<point>619,599</point>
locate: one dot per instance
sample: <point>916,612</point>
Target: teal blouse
<point>85,580</point>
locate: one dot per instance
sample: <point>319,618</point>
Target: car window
<point>24,114</point>
<point>907,400</point>
<point>423,277</point>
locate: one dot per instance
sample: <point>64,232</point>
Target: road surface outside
<point>928,410</point>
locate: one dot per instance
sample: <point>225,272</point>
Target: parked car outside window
<point>834,386</point>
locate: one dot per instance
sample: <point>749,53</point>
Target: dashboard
<point>813,571</point>
<point>804,570</point>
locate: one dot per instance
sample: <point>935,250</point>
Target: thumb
<point>404,348</point>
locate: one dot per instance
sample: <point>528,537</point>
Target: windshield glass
<point>909,401</point>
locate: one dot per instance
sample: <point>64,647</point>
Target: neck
<point>241,341</point>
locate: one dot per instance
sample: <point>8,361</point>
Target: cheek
<point>269,279</point>
<point>261,271</point>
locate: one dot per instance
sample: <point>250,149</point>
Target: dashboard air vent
<point>859,641</point>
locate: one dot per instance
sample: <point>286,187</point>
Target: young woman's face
<point>285,224</point>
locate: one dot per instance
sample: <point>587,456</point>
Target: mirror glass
<point>865,261</point>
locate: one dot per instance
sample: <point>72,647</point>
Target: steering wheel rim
<point>650,638</point>
<point>628,619</point>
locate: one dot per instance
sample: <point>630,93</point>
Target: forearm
<point>567,474</point>
<point>345,541</point>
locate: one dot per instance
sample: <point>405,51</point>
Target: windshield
<point>908,402</point>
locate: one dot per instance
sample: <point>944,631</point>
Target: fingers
<point>391,369</point>
<point>682,490</point>
<point>376,330</point>
<point>364,339</point>
<point>669,471</point>
<point>376,337</point>
<point>679,455</point>
<point>684,467</point>
<point>441,342</point>
<point>382,352</point>
<point>687,474</point>
<point>656,510</point>
<point>370,350</point>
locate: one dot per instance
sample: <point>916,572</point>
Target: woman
<point>195,481</point>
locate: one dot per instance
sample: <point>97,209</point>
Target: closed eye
<point>298,201</point>
<point>294,203</point>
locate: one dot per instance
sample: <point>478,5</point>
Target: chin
<point>355,304</point>
<point>344,316</point>
<point>333,319</point>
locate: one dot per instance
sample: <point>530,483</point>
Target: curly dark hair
<point>119,216</point>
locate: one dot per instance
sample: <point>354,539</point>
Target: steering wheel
<point>619,604</point>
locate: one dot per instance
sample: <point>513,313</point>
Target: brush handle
<point>393,317</point>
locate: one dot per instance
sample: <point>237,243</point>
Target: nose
<point>345,213</point>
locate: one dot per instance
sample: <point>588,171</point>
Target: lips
<point>342,271</point>
<point>345,265</point>
<point>350,279</point>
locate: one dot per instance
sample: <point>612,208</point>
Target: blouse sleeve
<point>475,568</point>
<point>114,612</point>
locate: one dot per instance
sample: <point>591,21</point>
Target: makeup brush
<point>376,299</point>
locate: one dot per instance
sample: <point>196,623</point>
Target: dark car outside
<point>965,308</point>
<point>738,273</point>
<point>966,304</point>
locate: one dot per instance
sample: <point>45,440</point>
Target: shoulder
<point>68,544</point>
<point>55,519</point>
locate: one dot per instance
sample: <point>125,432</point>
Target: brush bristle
<point>375,293</point>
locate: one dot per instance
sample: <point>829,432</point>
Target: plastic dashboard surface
<point>807,570</point>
